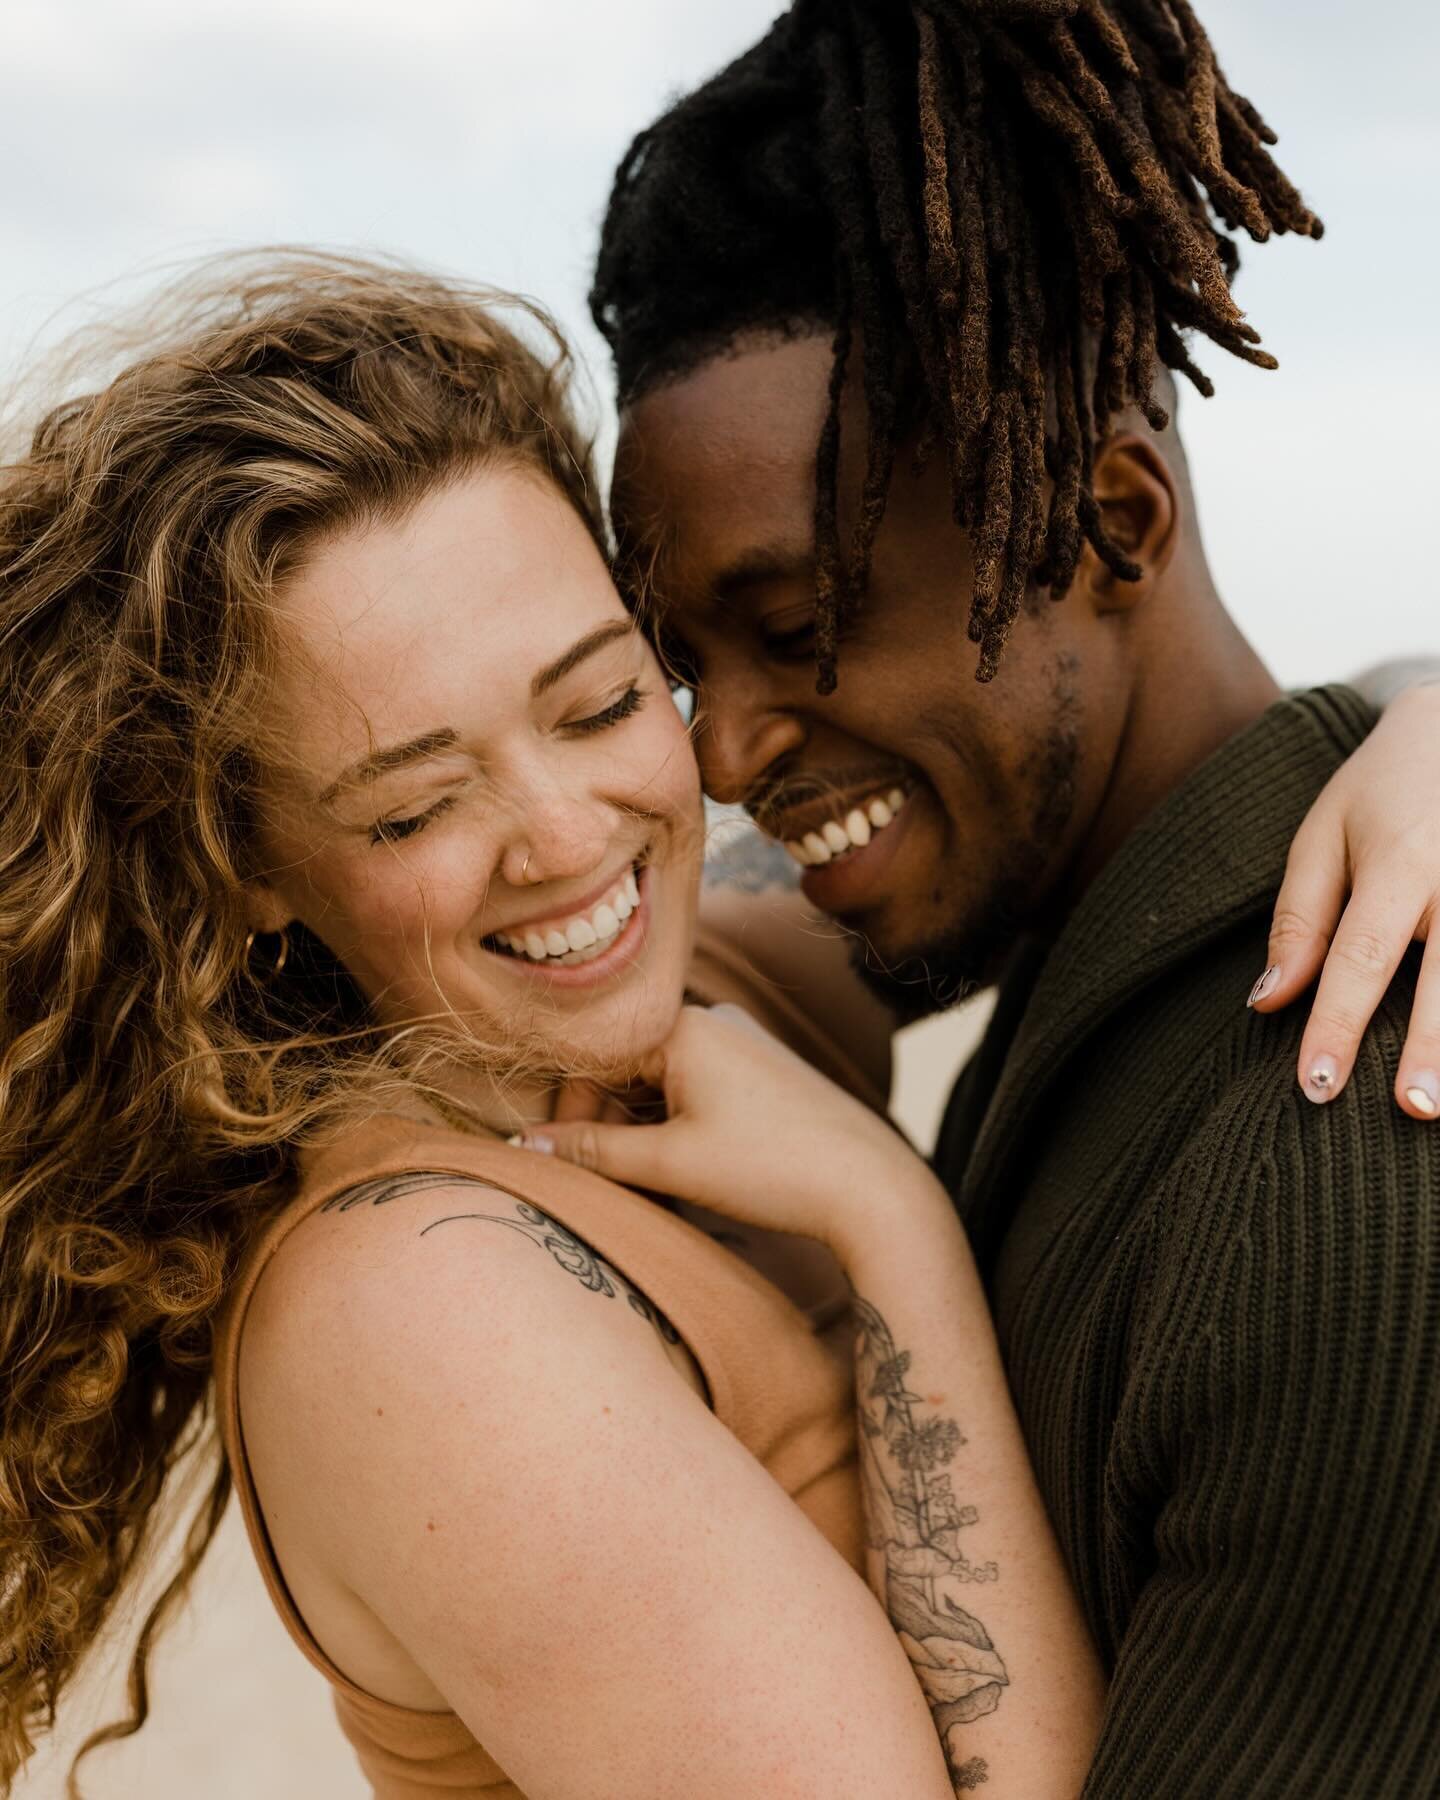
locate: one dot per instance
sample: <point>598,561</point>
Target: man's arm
<point>1281,1427</point>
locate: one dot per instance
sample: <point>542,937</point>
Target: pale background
<point>478,136</point>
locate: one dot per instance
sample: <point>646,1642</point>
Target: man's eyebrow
<point>576,654</point>
<point>756,567</point>
<point>393,756</point>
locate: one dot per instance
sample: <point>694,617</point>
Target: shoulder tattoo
<point>569,1252</point>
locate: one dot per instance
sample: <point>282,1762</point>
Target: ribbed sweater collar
<point>1208,858</point>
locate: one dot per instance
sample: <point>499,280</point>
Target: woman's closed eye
<point>625,707</point>
<point>392,831</point>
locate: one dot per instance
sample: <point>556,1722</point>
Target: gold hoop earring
<point>282,956</point>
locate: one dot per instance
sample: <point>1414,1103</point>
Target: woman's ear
<point>266,910</point>
<point>1140,507</point>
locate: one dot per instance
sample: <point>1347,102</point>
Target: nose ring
<point>525,867</point>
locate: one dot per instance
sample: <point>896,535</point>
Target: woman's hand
<point>751,1132</point>
<point>1363,882</point>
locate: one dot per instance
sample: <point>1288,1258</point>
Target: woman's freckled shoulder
<point>387,1266</point>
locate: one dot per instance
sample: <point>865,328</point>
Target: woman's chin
<point>613,1053</point>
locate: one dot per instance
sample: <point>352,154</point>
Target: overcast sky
<point>479,136</point>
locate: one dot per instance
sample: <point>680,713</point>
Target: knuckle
<point>1290,926</point>
<point>1422,1045</point>
<point>1364,951</point>
<point>1336,1026</point>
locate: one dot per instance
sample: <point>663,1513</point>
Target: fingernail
<point>516,1140</point>
<point>1423,1092</point>
<point>1320,1082</point>
<point>537,1141</point>
<point>1265,986</point>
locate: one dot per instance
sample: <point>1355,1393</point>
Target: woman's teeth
<point>579,939</point>
<point>852,832</point>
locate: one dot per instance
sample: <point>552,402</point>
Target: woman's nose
<point>737,741</point>
<point>556,837</point>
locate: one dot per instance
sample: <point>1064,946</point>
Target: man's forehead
<point>717,466</point>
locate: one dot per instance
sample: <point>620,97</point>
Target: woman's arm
<point>1361,885</point>
<point>501,1463</point>
<point>962,1556</point>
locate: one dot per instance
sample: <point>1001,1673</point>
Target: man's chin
<point>914,982</point>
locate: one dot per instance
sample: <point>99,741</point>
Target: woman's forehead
<point>495,569</point>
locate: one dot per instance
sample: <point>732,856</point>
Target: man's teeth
<point>853,832</point>
<point>582,938</point>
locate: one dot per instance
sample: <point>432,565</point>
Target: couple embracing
<point>618,1406</point>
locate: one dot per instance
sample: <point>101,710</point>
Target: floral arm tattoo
<point>912,1528</point>
<point>573,1255</point>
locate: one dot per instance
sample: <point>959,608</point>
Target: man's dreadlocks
<point>1008,210</point>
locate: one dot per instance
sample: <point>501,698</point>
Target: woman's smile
<point>585,943</point>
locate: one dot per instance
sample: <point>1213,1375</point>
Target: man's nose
<point>736,742</point>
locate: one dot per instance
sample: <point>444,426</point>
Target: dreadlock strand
<point>997,511</point>
<point>1097,17</point>
<point>1143,352</point>
<point>879,360</point>
<point>827,529</point>
<point>1282,204</point>
<point>944,268</point>
<point>1115,352</point>
<point>1053,106</point>
<point>1170,347</point>
<point>1015,569</point>
<point>954,206</point>
<point>965,135</point>
<point>1062,544</point>
<point>1104,546</point>
<point>896,216</point>
<point>1247,145</point>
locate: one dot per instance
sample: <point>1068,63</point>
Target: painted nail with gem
<point>1320,1082</point>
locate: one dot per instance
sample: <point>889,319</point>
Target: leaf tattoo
<point>913,1524</point>
<point>572,1254</point>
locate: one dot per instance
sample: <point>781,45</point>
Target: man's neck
<point>1192,693</point>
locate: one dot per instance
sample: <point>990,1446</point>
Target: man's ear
<point>1140,506</point>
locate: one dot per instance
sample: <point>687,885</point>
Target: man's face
<point>715,492</point>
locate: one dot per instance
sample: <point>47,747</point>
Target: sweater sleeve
<point>1285,1442</point>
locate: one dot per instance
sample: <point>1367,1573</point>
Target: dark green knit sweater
<point>1220,1309</point>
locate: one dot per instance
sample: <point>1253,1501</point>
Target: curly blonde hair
<point>153,1092</point>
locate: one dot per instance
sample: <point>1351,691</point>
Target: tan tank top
<point>784,1392</point>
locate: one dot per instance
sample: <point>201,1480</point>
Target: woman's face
<point>489,802</point>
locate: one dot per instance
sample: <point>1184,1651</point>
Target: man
<point>892,302</point>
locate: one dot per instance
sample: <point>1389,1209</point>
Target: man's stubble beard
<point>933,976</point>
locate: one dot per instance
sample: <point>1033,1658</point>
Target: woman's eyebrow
<point>576,654</point>
<point>445,737</point>
<point>393,756</point>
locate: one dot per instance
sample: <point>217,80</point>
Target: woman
<point>346,819</point>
